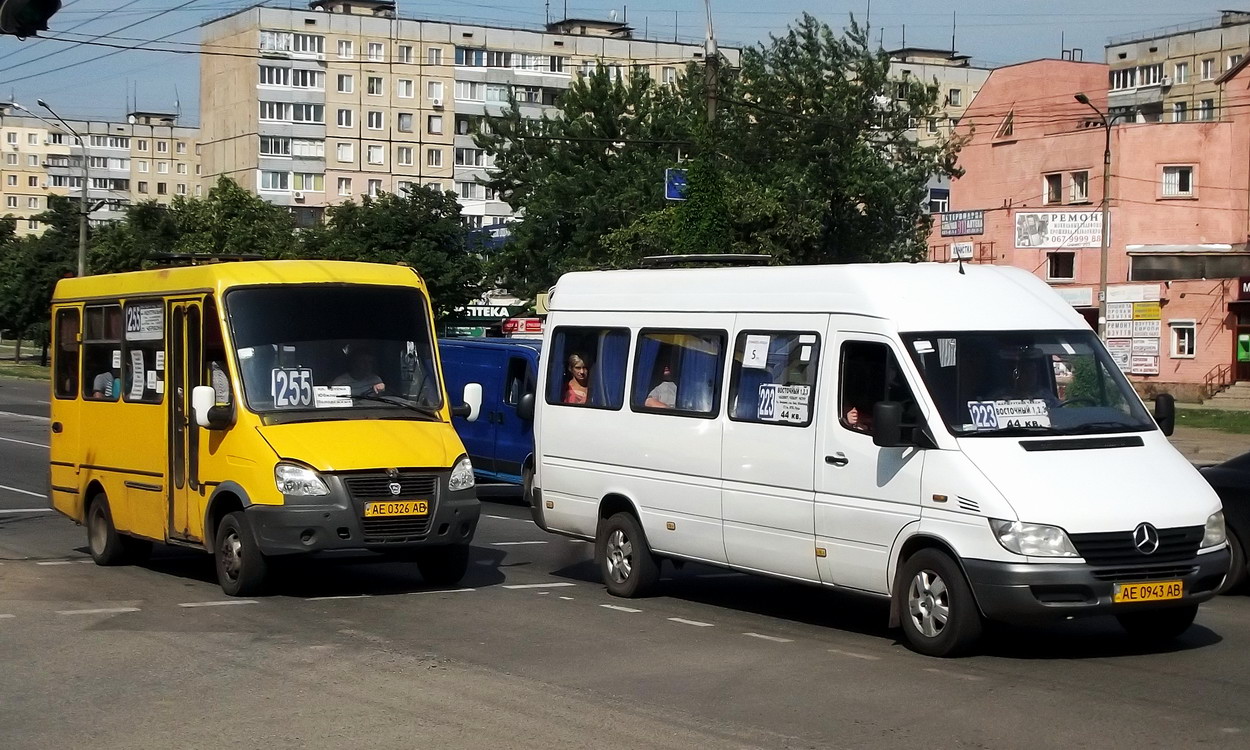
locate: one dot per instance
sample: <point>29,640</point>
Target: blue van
<point>501,442</point>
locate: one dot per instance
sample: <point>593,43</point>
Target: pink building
<point>1178,260</point>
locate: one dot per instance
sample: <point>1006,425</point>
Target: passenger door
<point>514,437</point>
<point>66,429</point>
<point>183,372</point>
<point>770,444</point>
<point>865,495</point>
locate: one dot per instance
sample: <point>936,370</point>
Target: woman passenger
<point>575,390</point>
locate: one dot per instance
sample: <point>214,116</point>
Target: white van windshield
<point>326,347</point>
<point>1026,382</point>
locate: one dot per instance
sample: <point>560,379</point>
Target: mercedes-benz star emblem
<point>1146,538</point>
<point>396,489</point>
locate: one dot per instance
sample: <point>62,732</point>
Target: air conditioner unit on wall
<point>436,103</point>
<point>299,196</point>
<point>1165,81</point>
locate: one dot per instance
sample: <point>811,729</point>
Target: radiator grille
<point>365,488</point>
<point>1153,573</point>
<point>1116,547</point>
<point>378,486</point>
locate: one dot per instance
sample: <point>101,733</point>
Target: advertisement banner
<point>1121,351</point>
<point>1145,365</point>
<point>1119,311</point>
<point>1146,347</point>
<point>1146,329</point>
<point>959,223</point>
<point>1050,229</point>
<point>1146,311</point>
<point>1119,329</point>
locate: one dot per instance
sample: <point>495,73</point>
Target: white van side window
<point>773,379</point>
<point>587,367</point>
<point>870,373</point>
<point>678,372</point>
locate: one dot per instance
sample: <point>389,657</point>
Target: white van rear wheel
<point>939,615</point>
<point>629,569</point>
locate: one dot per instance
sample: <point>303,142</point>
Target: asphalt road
<point>530,651</point>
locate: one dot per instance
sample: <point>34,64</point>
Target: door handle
<point>837,459</point>
<point>57,427</point>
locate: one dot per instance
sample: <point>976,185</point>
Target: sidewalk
<point>1203,446</point>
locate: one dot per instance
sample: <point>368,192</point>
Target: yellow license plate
<point>1154,591</point>
<point>397,508</point>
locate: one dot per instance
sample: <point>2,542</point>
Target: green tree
<point>148,230</point>
<point>31,266</point>
<point>420,228</point>
<point>232,221</point>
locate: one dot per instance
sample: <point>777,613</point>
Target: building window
<point>32,160</point>
<point>269,146</point>
<point>471,92</point>
<point>434,124</point>
<point>162,147</point>
<point>162,188</point>
<point>470,157</point>
<point>1007,128</point>
<point>346,83</point>
<point>274,111</point>
<point>939,200</point>
<point>405,54</point>
<point>434,157</point>
<point>470,58</point>
<point>375,86</point>
<point>273,76</point>
<point>403,122</point>
<point>434,90</point>
<point>1206,110</point>
<point>955,97</point>
<point>403,187</point>
<point>346,153</point>
<point>1150,75</point>
<point>1061,266</point>
<point>11,201</point>
<point>375,155</point>
<point>470,191</point>
<point>435,186</point>
<point>434,56</point>
<point>1208,69</point>
<point>143,187</point>
<point>345,186</point>
<point>33,181</point>
<point>1080,187</point>
<point>268,181</point>
<point>345,118</point>
<point>181,147</point>
<point>309,44</point>
<point>11,180</point>
<point>32,203</point>
<point>314,113</point>
<point>1184,338</point>
<point>346,49</point>
<point>1178,182</point>
<point>1180,73</point>
<point>375,187</point>
<point>376,51</point>
<point>308,79</point>
<point>308,148</point>
<point>932,125</point>
<point>182,188</point>
<point>1123,79</point>
<point>374,119</point>
<point>403,155</point>
<point>11,159</point>
<point>141,145</point>
<point>1180,111</point>
<point>11,138</point>
<point>1232,61</point>
<point>404,88</point>
<point>275,41</point>
<point>1054,189</point>
<point>310,182</point>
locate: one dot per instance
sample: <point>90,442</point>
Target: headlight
<point>1033,539</point>
<point>461,475</point>
<point>298,480</point>
<point>1215,530</point>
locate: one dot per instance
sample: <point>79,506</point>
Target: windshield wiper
<point>1090,428</point>
<point>405,403</point>
<point>1010,432</point>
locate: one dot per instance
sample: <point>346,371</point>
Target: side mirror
<point>887,424</point>
<point>1165,412</point>
<point>471,409</point>
<point>525,407</point>
<point>207,413</point>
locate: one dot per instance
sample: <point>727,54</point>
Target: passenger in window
<point>361,375</point>
<point>105,387</point>
<point>575,390</point>
<point>858,419</point>
<point>664,395</point>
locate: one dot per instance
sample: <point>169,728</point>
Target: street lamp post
<point>1107,122</point>
<point>83,209</point>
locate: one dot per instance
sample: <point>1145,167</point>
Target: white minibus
<point>956,440</point>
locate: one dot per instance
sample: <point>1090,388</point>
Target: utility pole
<point>711,60</point>
<point>83,204</point>
<point>1107,122</point>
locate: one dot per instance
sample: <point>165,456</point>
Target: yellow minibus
<point>257,409</point>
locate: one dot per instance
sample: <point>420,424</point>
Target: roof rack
<point>706,259</point>
<point>199,259</point>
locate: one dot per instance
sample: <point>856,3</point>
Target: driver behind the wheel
<point>361,375</point>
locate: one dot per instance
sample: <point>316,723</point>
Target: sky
<point>75,71</point>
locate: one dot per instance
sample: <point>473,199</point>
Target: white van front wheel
<point>629,569</point>
<point>940,616</point>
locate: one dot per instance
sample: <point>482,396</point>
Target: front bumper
<point>336,522</point>
<point>1015,592</point>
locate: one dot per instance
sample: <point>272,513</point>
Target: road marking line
<point>508,518</point>
<point>16,511</point>
<point>219,603</point>
<point>88,561</point>
<point>772,638</point>
<point>567,598</point>
<point>341,596</point>
<point>543,593</point>
<point>512,544</point>
<point>23,442</point>
<point>695,623</point>
<point>619,608</point>
<point>579,541</point>
<point>15,415</point>
<point>37,401</point>
<point>103,611</point>
<point>55,562</point>
<point>22,492</point>
<point>721,575</point>
<point>440,591</point>
<point>853,655</point>
<point>537,585</point>
<point>7,617</point>
<point>956,675</point>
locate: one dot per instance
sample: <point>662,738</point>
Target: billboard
<point>1056,229</point>
<point>959,223</point>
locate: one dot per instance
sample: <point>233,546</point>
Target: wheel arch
<point>227,497</point>
<point>907,547</point>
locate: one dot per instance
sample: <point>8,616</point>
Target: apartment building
<point>346,99</point>
<point>1178,313</point>
<point>1172,74</point>
<point>147,157</point>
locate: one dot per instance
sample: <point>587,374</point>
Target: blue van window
<point>586,367</point>
<point>773,379</point>
<point>678,372</point>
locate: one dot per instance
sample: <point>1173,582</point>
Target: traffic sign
<point>675,184</point>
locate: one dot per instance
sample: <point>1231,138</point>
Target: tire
<point>241,568</point>
<point>624,558</point>
<point>443,566</point>
<point>1158,625</point>
<point>106,545</point>
<point>1235,582</point>
<point>939,615</point>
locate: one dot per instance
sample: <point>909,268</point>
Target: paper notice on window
<point>946,352</point>
<point>922,346</point>
<point>160,386</point>
<point>997,415</point>
<point>332,396</point>
<point>117,359</point>
<point>805,353</point>
<point>136,374</point>
<point>807,338</point>
<point>755,353</point>
<point>784,403</point>
<point>145,322</point>
<point>160,359</point>
<point>150,380</point>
